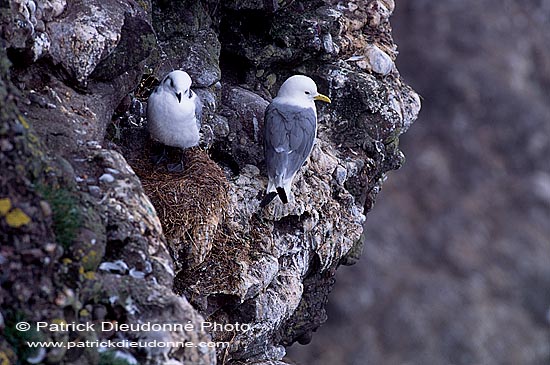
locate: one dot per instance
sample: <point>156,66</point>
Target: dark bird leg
<point>158,154</point>
<point>282,194</point>
<point>267,199</point>
<point>178,166</point>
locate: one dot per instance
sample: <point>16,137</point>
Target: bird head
<point>179,83</point>
<point>301,89</point>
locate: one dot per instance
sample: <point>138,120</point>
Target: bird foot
<point>267,199</point>
<point>158,158</point>
<point>175,167</point>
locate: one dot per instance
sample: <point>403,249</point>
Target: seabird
<point>290,128</point>
<point>174,113</point>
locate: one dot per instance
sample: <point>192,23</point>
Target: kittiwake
<point>290,128</point>
<point>174,112</point>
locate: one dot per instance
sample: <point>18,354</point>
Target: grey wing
<point>288,139</point>
<point>198,109</point>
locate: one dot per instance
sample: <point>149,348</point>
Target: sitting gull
<point>174,114</point>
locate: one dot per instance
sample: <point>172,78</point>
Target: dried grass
<point>190,204</point>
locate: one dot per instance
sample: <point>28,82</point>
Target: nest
<point>190,204</point>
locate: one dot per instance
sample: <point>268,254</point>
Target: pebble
<point>380,62</point>
<point>117,267</point>
<point>107,178</point>
<point>340,175</point>
<point>137,274</point>
<point>112,171</point>
<point>5,145</point>
<point>46,208</point>
<point>94,190</point>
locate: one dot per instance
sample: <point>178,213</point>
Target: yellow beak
<point>322,97</point>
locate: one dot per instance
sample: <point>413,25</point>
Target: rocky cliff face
<point>109,237</point>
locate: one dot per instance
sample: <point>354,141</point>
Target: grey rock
<point>94,190</point>
<point>245,114</point>
<point>91,30</point>
<point>106,178</point>
<point>378,60</point>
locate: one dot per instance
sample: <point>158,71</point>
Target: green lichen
<point>23,121</point>
<point>144,5</point>
<point>66,215</point>
<point>4,358</point>
<point>5,206</point>
<point>17,218</point>
<point>91,260</point>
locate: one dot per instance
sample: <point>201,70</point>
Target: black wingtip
<point>282,195</point>
<point>267,199</point>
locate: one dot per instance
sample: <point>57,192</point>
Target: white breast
<point>171,122</point>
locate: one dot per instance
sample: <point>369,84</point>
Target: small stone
<point>117,267</point>
<point>50,247</point>
<point>112,171</point>
<point>99,312</point>
<point>352,7</point>
<point>271,79</point>
<point>136,274</point>
<point>46,208</point>
<point>340,175</point>
<point>363,64</point>
<point>379,61</point>
<point>40,26</point>
<point>328,44</point>
<point>107,178</point>
<point>93,144</point>
<point>388,4</point>
<point>58,7</point>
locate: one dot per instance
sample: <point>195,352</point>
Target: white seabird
<point>174,112</point>
<point>290,128</point>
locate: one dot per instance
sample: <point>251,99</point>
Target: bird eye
<point>171,83</point>
<point>307,93</point>
<point>190,94</point>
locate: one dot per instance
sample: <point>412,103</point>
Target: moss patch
<point>66,216</point>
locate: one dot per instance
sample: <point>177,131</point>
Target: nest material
<point>190,204</point>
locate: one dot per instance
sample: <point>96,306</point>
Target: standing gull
<point>174,114</point>
<point>290,127</point>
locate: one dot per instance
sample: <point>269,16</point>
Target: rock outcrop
<point>80,203</point>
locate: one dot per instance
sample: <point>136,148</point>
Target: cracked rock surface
<point>84,211</point>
